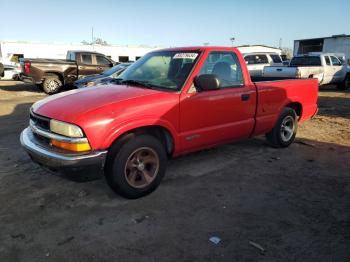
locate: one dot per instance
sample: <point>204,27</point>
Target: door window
<point>335,61</point>
<point>101,60</point>
<point>256,59</point>
<point>226,67</point>
<point>86,59</point>
<point>328,62</point>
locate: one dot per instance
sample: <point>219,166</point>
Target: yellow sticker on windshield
<point>185,56</point>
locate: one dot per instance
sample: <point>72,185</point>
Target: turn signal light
<point>71,147</point>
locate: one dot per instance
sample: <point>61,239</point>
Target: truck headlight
<point>65,129</point>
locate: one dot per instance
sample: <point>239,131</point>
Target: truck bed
<point>302,92</point>
<point>271,78</point>
<point>50,61</point>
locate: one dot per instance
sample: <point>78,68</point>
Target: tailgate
<point>279,71</point>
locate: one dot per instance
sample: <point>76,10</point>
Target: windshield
<point>305,61</point>
<point>112,70</point>
<point>164,69</point>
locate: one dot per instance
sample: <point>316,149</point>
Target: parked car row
<point>326,67</point>
<point>85,68</point>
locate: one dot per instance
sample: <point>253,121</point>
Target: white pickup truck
<point>257,61</point>
<point>326,67</point>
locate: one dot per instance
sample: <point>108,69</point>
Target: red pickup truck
<point>168,103</point>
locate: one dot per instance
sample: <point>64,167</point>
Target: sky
<point>174,23</point>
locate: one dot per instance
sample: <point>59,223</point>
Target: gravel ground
<point>263,204</point>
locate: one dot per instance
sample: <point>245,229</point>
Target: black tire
<point>345,85</point>
<point>118,172</point>
<point>279,136</point>
<point>52,85</point>
<point>40,87</point>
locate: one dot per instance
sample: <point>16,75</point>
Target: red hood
<point>69,106</point>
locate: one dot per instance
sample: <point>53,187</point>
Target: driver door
<point>328,71</point>
<point>102,64</point>
<point>86,65</point>
<point>337,69</point>
<point>216,116</point>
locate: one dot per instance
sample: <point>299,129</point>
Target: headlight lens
<point>65,129</point>
<point>90,83</point>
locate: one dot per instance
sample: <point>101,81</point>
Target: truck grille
<point>40,121</point>
<point>41,139</point>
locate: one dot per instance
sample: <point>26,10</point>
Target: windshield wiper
<point>116,80</point>
<point>135,82</point>
<point>121,81</point>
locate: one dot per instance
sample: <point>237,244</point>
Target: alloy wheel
<point>141,167</point>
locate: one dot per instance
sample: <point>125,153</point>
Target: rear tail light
<point>26,67</point>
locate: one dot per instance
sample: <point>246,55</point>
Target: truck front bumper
<point>58,159</point>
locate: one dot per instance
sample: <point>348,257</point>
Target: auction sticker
<point>185,56</point>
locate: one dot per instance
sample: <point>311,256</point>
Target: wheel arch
<point>160,132</point>
<point>297,107</point>
<point>54,73</point>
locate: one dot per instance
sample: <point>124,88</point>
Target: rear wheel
<point>52,85</point>
<point>135,168</point>
<point>284,132</point>
<point>345,85</point>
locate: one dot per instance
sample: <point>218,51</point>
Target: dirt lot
<point>294,203</point>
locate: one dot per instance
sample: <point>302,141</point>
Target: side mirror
<point>206,82</point>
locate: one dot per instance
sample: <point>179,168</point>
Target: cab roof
<point>199,48</point>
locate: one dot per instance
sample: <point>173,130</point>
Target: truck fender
<point>319,77</point>
<point>50,73</point>
<point>126,127</point>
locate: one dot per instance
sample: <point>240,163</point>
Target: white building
<point>59,50</point>
<point>333,44</point>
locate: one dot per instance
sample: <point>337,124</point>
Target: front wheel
<point>285,129</point>
<point>135,168</point>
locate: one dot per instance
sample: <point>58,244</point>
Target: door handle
<point>81,67</point>
<point>245,97</point>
